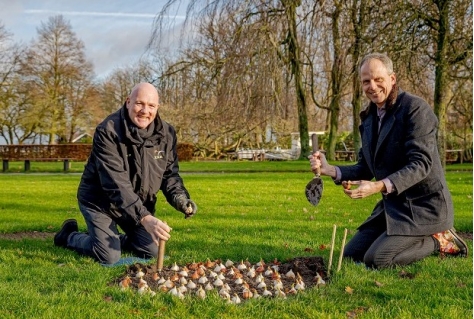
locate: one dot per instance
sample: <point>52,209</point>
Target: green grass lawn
<point>203,166</point>
<point>247,210</point>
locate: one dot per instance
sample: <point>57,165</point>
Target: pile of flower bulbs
<point>232,282</point>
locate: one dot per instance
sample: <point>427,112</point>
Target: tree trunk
<point>336,83</point>
<point>358,16</point>
<point>441,73</point>
<point>295,62</point>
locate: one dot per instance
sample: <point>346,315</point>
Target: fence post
<point>66,165</point>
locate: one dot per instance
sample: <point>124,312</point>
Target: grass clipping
<point>235,282</point>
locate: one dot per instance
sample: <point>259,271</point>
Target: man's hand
<point>186,206</point>
<point>156,228</point>
<point>318,160</point>
<point>364,189</point>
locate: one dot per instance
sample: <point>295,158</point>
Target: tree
<point>337,75</point>
<point>359,16</point>
<point>313,49</point>
<point>57,72</point>
<point>115,88</point>
<point>431,44</point>
<point>282,14</point>
<point>15,116</point>
<point>226,88</point>
<point>449,52</point>
<point>294,57</point>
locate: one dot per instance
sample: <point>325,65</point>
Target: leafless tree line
<point>291,65</point>
<point>248,73</point>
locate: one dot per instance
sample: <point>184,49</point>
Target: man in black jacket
<point>133,157</point>
<point>415,216</point>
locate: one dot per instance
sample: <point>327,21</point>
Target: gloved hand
<point>185,205</point>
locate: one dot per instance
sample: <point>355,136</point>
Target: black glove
<point>185,205</point>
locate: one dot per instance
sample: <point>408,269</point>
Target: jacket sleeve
<point>420,147</point>
<point>114,178</point>
<point>172,184</point>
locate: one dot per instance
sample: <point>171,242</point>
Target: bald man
<point>133,157</point>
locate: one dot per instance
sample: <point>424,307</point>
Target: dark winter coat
<point>125,171</point>
<point>405,152</point>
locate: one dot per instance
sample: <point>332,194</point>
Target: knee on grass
<point>377,262</point>
<point>147,252</point>
<point>108,257</point>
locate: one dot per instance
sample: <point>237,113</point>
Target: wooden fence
<point>80,152</point>
<point>63,152</point>
<point>44,153</point>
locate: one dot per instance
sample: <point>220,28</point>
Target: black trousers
<point>372,246</point>
<point>104,243</point>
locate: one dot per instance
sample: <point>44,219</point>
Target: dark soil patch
<point>47,235</point>
<point>465,235</point>
<point>27,234</point>
<point>306,272</point>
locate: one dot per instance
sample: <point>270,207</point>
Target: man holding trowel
<point>399,159</point>
<point>133,157</point>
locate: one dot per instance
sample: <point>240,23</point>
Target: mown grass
<point>258,211</point>
<point>202,166</point>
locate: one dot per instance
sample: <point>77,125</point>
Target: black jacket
<point>405,152</point>
<point>124,171</point>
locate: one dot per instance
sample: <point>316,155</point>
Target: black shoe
<point>463,250</point>
<point>450,243</point>
<point>69,226</point>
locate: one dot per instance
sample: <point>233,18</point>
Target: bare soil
<point>27,234</point>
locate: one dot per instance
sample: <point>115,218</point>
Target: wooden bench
<point>459,156</point>
<point>454,156</point>
<point>344,155</point>
<point>467,155</point>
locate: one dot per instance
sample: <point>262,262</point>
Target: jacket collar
<point>368,122</point>
<point>131,130</point>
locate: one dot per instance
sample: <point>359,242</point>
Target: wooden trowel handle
<point>314,142</point>
<point>161,255</point>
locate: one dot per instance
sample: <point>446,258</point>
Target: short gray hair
<point>382,57</point>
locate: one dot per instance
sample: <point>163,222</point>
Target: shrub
<point>185,151</point>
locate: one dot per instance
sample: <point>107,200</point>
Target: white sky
<point>114,32</point>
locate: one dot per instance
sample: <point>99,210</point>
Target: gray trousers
<point>104,243</point>
<point>372,246</point>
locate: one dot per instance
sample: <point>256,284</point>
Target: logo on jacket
<point>158,154</point>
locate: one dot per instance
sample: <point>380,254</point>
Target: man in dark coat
<point>399,151</point>
<point>133,157</point>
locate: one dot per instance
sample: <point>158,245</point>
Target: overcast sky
<point>114,32</point>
